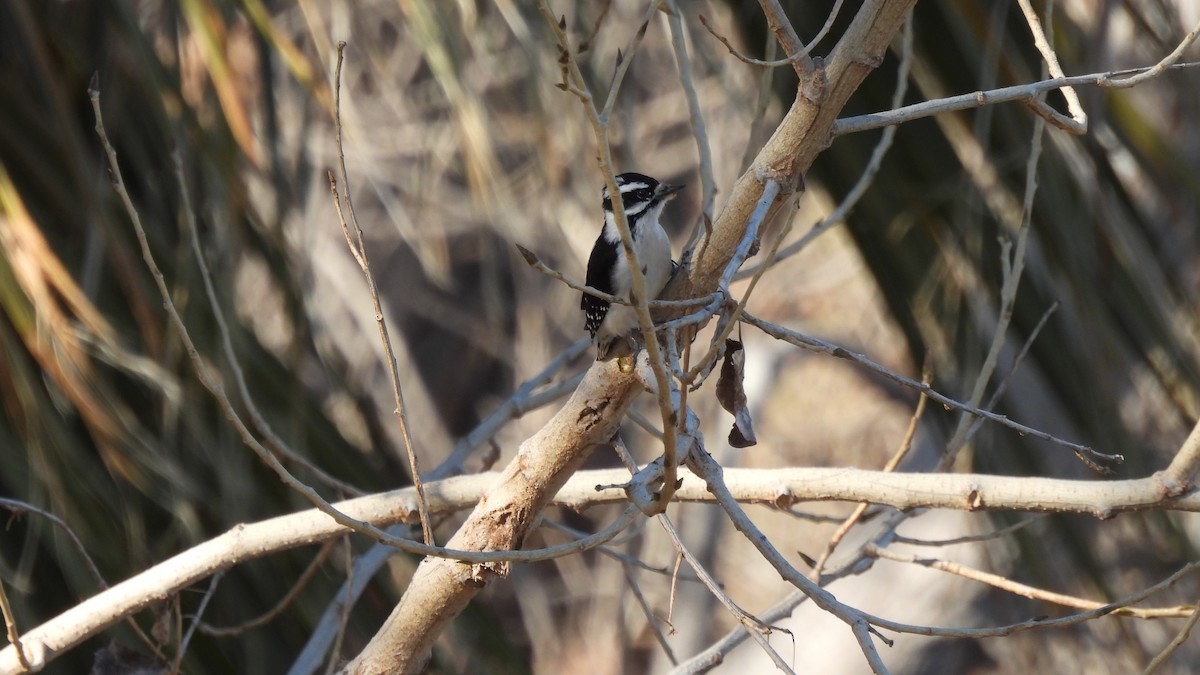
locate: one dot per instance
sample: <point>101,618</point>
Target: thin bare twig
<point>757,629</point>
<point>599,121</point>
<point>1077,123</point>
<point>972,538</point>
<point>1020,92</point>
<point>867,177</point>
<point>187,637</point>
<point>10,625</point>
<point>793,46</point>
<point>17,506</point>
<point>344,618</point>
<point>769,63</point>
<point>1024,590</point>
<point>1036,623</point>
<point>651,619</point>
<point>623,558</point>
<point>1002,386</point>
<point>266,617</point>
<point>713,656</point>
<point>712,473</point>
<point>772,63</point>
<point>1012,264</point>
<point>822,347</point>
<point>533,260</point>
<point>1160,67</point>
<point>622,67</point>
<point>359,248</point>
<point>1175,643</point>
<point>273,440</point>
<point>213,385</point>
<point>770,192</point>
<point>890,466</point>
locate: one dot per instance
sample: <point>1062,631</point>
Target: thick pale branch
<point>441,588</point>
<point>800,137</point>
<point>1183,468</point>
<point>777,487</point>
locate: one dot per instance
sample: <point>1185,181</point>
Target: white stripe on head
<point>634,209</point>
<point>625,188</point>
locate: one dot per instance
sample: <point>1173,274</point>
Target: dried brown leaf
<point>731,394</point>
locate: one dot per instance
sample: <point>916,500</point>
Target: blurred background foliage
<point>459,146</point>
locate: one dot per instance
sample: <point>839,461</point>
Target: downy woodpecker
<point>608,267</point>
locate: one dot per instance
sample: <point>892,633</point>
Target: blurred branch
<point>210,32</point>
<point>970,539</point>
<point>708,187</point>
<point>186,639</point>
<point>652,620</point>
<point>344,615</point>
<point>1002,385</point>
<point>522,401</point>
<point>1012,265</point>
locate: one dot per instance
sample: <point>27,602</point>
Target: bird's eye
<point>643,194</point>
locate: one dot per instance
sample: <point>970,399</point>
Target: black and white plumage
<point>608,268</point>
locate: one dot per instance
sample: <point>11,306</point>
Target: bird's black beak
<point>666,189</point>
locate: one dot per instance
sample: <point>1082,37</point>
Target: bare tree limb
<point>775,487</point>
